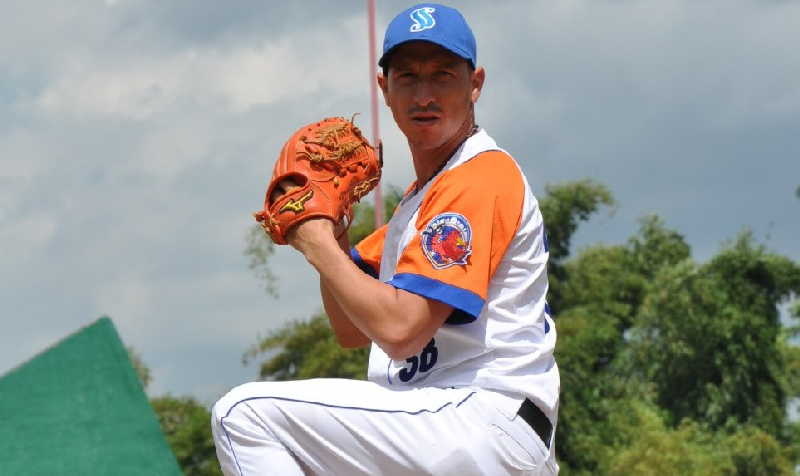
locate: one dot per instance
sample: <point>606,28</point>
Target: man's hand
<point>308,233</point>
<point>311,234</point>
<point>323,169</point>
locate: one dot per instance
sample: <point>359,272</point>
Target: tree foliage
<point>708,337</point>
<point>307,349</point>
<point>364,214</point>
<point>700,343</point>
<point>790,355</point>
<point>650,446</point>
<point>564,207</point>
<point>258,249</point>
<point>187,427</point>
<point>142,371</point>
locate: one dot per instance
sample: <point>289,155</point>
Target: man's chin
<point>427,139</point>
<point>426,145</point>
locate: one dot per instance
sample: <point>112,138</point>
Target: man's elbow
<point>355,344</point>
<point>352,340</point>
<point>407,339</point>
<point>402,347</point>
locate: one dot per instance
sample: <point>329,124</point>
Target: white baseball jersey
<point>473,238</point>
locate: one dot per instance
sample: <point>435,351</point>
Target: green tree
<point>601,293</point>
<point>754,452</point>
<point>186,425</point>
<point>258,249</point>
<point>364,214</point>
<point>708,337</point>
<point>307,349</point>
<point>642,322</point>
<point>790,355</point>
<point>563,208</point>
<point>651,446</point>
<point>142,371</point>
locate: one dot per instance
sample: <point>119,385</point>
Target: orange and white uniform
<point>472,237</point>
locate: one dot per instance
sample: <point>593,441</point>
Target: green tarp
<point>78,409</point>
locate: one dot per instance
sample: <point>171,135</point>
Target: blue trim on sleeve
<point>459,298</point>
<point>362,265</point>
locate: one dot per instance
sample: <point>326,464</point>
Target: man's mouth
<point>424,119</point>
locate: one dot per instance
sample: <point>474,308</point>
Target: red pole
<point>373,90</point>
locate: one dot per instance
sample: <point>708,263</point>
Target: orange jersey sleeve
<point>367,253</point>
<point>465,223</point>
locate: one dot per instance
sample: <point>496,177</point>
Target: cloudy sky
<point>136,137</point>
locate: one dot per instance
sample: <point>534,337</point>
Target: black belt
<point>534,416</point>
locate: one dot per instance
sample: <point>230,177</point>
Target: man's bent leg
<point>245,445</point>
<point>348,427</point>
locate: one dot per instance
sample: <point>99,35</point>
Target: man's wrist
<point>321,251</point>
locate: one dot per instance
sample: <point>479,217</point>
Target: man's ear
<point>478,77</point>
<point>383,83</point>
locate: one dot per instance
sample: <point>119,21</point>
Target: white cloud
<point>28,235</point>
<point>22,154</point>
<point>242,77</point>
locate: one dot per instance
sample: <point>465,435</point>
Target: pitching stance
<point>450,294</point>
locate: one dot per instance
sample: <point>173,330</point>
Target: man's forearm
<point>347,334</point>
<point>399,322</point>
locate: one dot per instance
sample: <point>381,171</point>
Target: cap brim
<point>382,61</point>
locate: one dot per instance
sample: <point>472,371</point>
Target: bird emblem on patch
<point>447,240</point>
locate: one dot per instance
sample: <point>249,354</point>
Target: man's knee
<point>251,405</point>
<point>239,394</point>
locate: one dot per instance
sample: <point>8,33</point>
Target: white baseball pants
<point>350,427</point>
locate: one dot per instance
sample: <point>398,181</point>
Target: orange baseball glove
<point>332,166</point>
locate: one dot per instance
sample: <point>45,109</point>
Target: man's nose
<point>424,93</point>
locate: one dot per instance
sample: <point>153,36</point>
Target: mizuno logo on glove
<point>298,205</point>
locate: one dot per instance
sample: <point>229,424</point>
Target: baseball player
<point>450,295</point>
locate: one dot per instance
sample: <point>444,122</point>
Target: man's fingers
<point>288,185</point>
<point>284,186</point>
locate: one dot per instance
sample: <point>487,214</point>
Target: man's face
<point>430,92</point>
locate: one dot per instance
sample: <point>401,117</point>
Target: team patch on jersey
<point>447,240</point>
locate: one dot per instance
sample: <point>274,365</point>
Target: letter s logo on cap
<point>422,19</point>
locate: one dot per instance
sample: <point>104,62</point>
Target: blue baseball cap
<point>432,22</point>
